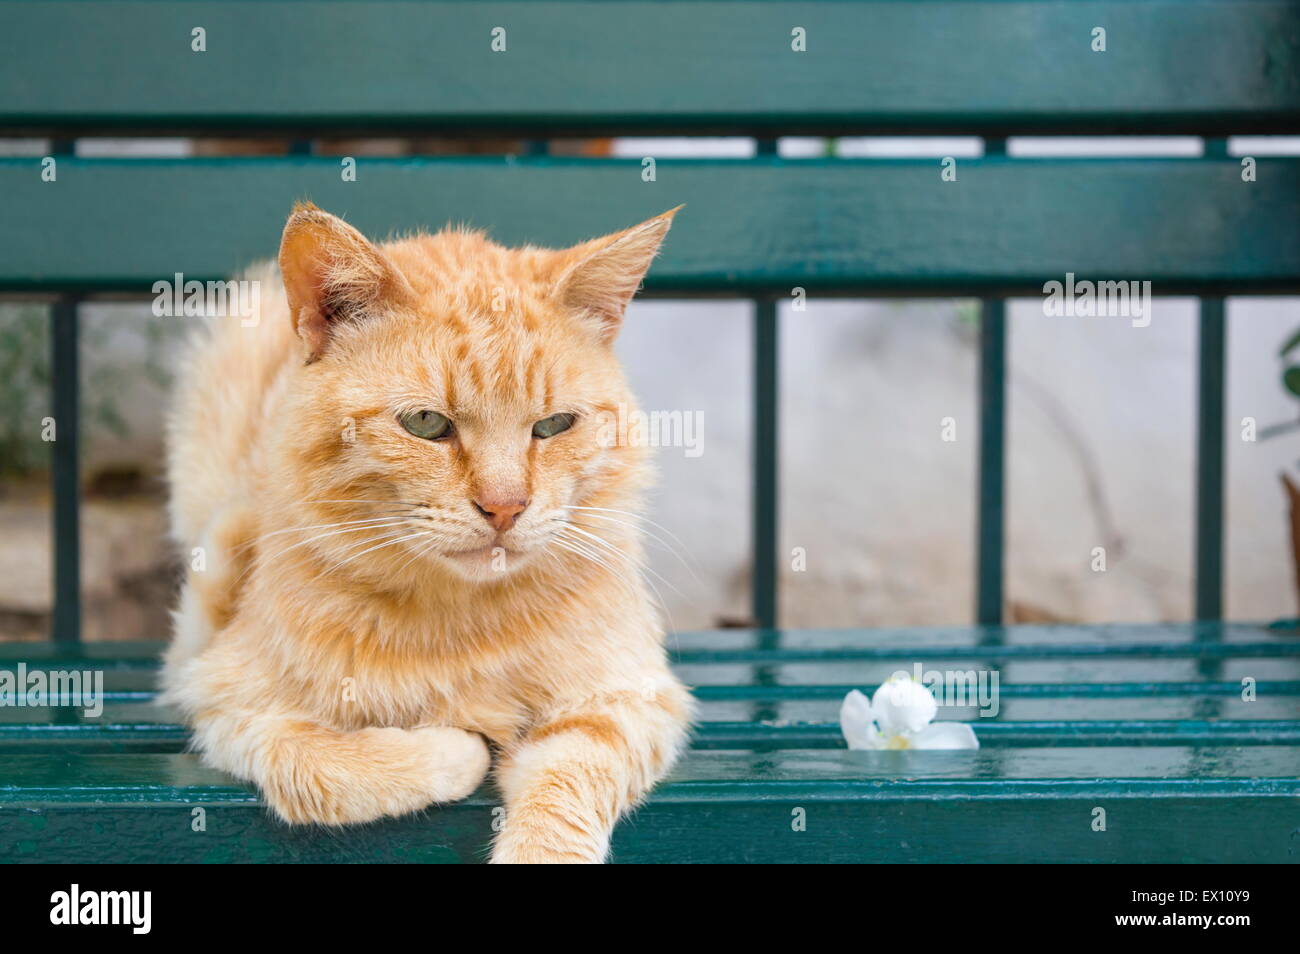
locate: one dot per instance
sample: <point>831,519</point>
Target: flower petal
<point>856,723</point>
<point>902,705</point>
<point>946,735</point>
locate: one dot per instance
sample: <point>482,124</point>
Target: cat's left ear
<point>602,275</point>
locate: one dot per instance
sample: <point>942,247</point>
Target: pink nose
<point>500,513</point>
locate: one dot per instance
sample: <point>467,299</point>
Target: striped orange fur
<point>376,614</point>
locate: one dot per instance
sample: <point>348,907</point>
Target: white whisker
<point>589,555</point>
<point>362,500</point>
<point>601,541</point>
<point>334,533</point>
<point>322,526</point>
<point>271,558</point>
<point>641,531</point>
<point>638,571</point>
<point>380,546</point>
<point>635,516</point>
<point>419,553</point>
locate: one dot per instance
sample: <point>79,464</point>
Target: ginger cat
<point>417,540</point>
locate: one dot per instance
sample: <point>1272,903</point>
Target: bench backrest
<point>755,227</point>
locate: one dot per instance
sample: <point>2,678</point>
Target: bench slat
<point>750,226</point>
<point>821,703</point>
<point>726,692</point>
<point>870,66</point>
<point>1071,710</point>
<point>170,737</point>
<point>1162,804</point>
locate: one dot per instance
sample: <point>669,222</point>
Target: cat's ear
<point>331,274</point>
<point>600,277</point>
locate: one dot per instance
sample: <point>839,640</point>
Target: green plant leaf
<point>1290,343</point>
<point>1291,380</point>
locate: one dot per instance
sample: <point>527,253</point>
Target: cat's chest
<point>411,689</point>
<point>395,665</point>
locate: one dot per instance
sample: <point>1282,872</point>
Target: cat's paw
<point>361,776</point>
<point>459,760</point>
<point>541,840</point>
<point>522,852</point>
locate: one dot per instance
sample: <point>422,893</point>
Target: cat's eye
<point>429,425</point>
<point>550,426</point>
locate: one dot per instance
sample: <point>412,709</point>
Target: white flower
<point>900,716</point>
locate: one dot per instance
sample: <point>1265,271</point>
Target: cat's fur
<point>353,670</point>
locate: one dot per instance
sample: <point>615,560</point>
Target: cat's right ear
<point>331,274</point>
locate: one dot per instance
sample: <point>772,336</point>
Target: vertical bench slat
<point>65,470</point>
<point>1211,333</point>
<point>766,464</point>
<point>991,487</point>
<point>65,454</point>
<point>766,576</point>
<point>1209,461</point>
<point>992,461</point>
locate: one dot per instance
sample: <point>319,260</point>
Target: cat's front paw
<point>525,853</point>
<point>459,760</point>
<point>547,841</point>
<point>354,777</point>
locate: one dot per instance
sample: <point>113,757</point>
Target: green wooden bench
<point>1146,723</point>
<point>1142,727</point>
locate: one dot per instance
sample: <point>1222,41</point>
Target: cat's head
<point>457,401</point>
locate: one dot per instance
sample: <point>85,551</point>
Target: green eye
<point>550,426</point>
<point>429,425</point>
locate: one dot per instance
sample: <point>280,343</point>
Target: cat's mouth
<point>486,550</point>
<point>485,562</point>
<point>496,550</point>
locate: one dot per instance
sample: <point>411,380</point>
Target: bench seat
<point>1145,722</point>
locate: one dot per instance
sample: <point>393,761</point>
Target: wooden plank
<point>1171,708</point>
<point>1053,691</point>
<point>800,692</point>
<point>750,226</point>
<point>990,487</point>
<point>163,737</point>
<point>1072,710</point>
<point>819,703</point>
<point>65,469</point>
<point>1212,366</point>
<point>995,66</point>
<point>37,778</point>
<point>1162,804</point>
<point>765,498</point>
<point>1133,670</point>
<point>1108,732</point>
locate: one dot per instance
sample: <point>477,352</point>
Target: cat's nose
<point>500,513</point>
